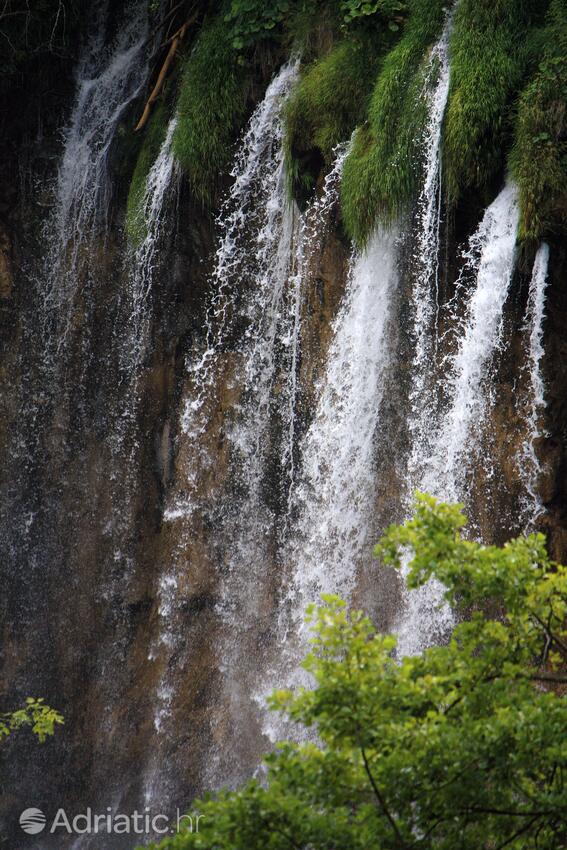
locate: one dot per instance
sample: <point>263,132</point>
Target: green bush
<point>460,748</point>
<point>380,173</point>
<point>539,156</point>
<point>151,144</point>
<point>489,56</point>
<point>35,714</point>
<point>211,106</point>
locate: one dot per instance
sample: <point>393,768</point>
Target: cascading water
<point>528,461</point>
<point>466,373</point>
<point>142,261</point>
<point>253,262</point>
<point>491,258</point>
<point>425,290</point>
<point>202,545</point>
<point>107,82</point>
<point>262,266</point>
<point>252,327</point>
<point>335,494</point>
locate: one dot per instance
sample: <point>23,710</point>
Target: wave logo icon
<point>32,821</point>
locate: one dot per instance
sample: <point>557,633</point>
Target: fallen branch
<point>176,40</point>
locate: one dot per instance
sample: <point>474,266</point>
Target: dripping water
<point>108,81</point>
<point>335,492</point>
<point>424,300</point>
<point>490,262</point>
<point>142,261</point>
<point>528,462</point>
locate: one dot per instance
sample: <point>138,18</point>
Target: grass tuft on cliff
<point>151,144</point>
<point>380,173</point>
<point>490,52</point>
<point>211,105</point>
<point>539,157</point>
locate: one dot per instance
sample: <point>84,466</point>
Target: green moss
<point>381,171</point>
<point>327,104</point>
<point>489,59</point>
<point>151,144</point>
<point>539,156</point>
<point>211,105</point>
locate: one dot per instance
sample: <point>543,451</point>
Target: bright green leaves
<point>517,579</point>
<point>461,748</point>
<point>251,20</point>
<point>392,11</point>
<point>40,717</point>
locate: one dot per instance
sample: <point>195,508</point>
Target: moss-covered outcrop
<point>539,156</point>
<point>149,150</point>
<point>327,104</point>
<point>366,69</point>
<point>490,52</point>
<point>213,94</point>
<point>381,171</point>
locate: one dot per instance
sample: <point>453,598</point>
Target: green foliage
<point>211,106</point>
<point>329,101</point>
<point>539,155</point>
<point>390,10</point>
<point>489,53</point>
<point>36,714</point>
<point>151,144</point>
<point>253,20</point>
<point>380,173</point>
<point>461,748</point>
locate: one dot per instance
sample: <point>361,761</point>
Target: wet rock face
<point>6,265</point>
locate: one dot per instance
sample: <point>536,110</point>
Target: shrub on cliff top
<point>380,173</point>
<point>211,105</point>
<point>489,53</point>
<point>460,748</point>
<point>539,155</point>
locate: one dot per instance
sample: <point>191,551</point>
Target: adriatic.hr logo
<point>34,821</point>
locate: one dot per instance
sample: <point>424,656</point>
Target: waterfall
<point>528,461</point>
<point>142,260</point>
<point>107,82</point>
<point>491,259</point>
<point>251,357</point>
<point>424,300</point>
<point>335,494</point>
<point>245,367</point>
<point>466,374</point>
<point>252,265</point>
